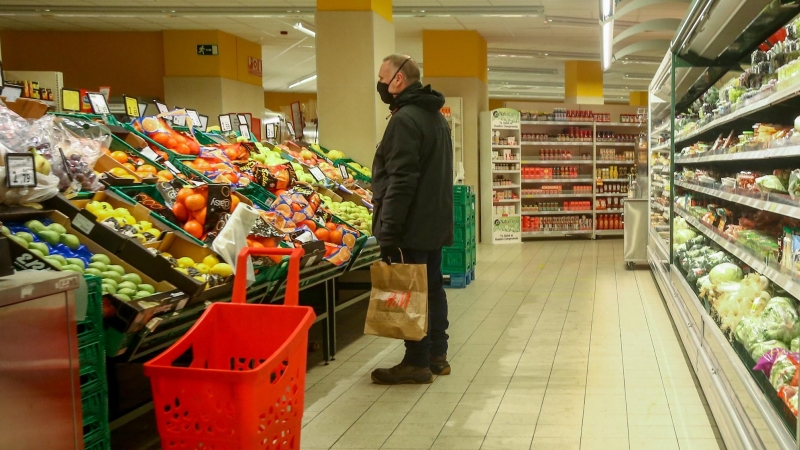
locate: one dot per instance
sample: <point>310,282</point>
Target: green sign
<point>505,118</point>
<point>506,229</point>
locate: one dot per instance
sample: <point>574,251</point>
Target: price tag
<point>317,173</point>
<point>195,118</point>
<point>98,102</point>
<point>171,168</point>
<point>70,100</point>
<point>131,107</point>
<point>80,222</point>
<point>270,131</point>
<point>244,130</point>
<point>142,109</point>
<point>179,120</point>
<point>225,124</point>
<point>148,153</point>
<point>242,119</point>
<point>20,170</point>
<point>162,108</point>
<point>343,171</point>
<point>203,122</point>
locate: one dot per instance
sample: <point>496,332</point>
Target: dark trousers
<point>435,343</point>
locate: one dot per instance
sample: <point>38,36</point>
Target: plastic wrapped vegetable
<point>766,362</point>
<point>725,272</point>
<point>749,332</point>
<point>758,349</point>
<point>682,236</point>
<point>770,183</point>
<point>789,396</point>
<point>794,183</point>
<point>783,370</point>
<point>794,346</point>
<point>780,319</point>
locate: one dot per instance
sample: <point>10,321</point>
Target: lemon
<point>185,262</point>
<point>210,261</point>
<point>222,269</point>
<point>145,225</point>
<point>202,268</point>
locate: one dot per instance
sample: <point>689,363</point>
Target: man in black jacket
<point>412,184</point>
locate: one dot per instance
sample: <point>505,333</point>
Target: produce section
<point>722,177</point>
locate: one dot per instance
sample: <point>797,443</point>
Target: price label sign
<point>317,173</point>
<point>131,107</point>
<point>70,100</point>
<point>148,152</point>
<point>171,167</point>
<point>225,124</point>
<point>20,170</point>
<point>179,120</point>
<point>195,118</point>
<point>98,102</point>
<point>343,171</point>
<point>203,122</point>
<point>244,130</point>
<point>270,131</point>
<point>242,119</point>
<point>162,108</point>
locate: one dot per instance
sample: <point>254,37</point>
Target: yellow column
<point>583,82</point>
<point>227,82</point>
<point>353,37</point>
<point>638,98</point>
<point>455,64</point>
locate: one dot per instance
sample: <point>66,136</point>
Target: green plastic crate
<point>91,378</point>
<point>95,429</point>
<point>464,234</point>
<point>462,194</point>
<point>463,214</point>
<point>456,261</point>
<point>91,354</point>
<point>95,403</point>
<point>100,444</point>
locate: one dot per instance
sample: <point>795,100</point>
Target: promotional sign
<point>505,118</point>
<point>70,100</point>
<point>254,66</point>
<point>507,230</point>
<point>132,107</point>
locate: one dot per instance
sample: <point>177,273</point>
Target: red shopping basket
<point>236,380</point>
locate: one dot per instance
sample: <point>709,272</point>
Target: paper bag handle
<point>292,296</point>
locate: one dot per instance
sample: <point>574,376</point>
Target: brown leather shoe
<point>439,365</point>
<point>403,374</point>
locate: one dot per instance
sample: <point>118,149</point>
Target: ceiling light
<point>303,81</point>
<point>637,76</point>
<point>606,9</point>
<point>481,11</point>
<point>515,53</point>
<point>608,42</point>
<point>301,27</point>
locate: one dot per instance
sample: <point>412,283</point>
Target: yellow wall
<point>274,100</point>
<point>454,53</point>
<point>638,98</point>
<point>245,49</point>
<point>85,58</point>
<point>582,80</point>
<point>182,60</point>
<point>381,7</point>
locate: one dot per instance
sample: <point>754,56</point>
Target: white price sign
<point>162,108</point>
<point>20,170</point>
<point>179,120</point>
<point>244,130</point>
<point>195,118</point>
<point>225,124</point>
<point>343,171</point>
<point>317,173</point>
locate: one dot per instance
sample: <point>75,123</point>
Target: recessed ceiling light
<point>303,80</point>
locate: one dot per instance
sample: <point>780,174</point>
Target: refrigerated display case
<point>724,172</point>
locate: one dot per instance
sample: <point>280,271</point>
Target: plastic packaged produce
<point>75,146</point>
<point>758,349</point>
<point>770,183</point>
<point>780,319</point>
<point>725,272</point>
<point>766,362</point>
<point>795,345</point>
<point>783,370</point>
<point>750,332</point>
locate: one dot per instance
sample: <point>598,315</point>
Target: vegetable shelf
<point>764,205</point>
<point>756,262</point>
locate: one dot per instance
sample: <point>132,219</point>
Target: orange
<point>254,243</point>
<point>183,149</point>
<point>130,167</point>
<point>194,228</point>
<point>180,212</point>
<point>323,234</point>
<point>147,168</point>
<point>195,202</point>
<point>182,194</point>
<point>118,172</point>
<point>331,226</point>
<point>161,138</point>
<point>234,202</point>
<point>120,157</point>
<point>150,124</point>
<point>165,174</point>
<point>232,177</point>
<point>201,164</point>
<point>194,147</point>
<point>310,224</point>
<point>200,215</point>
<point>349,240</point>
<point>336,237</point>
<point>171,143</point>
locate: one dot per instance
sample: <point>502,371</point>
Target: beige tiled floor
<point>554,346</point>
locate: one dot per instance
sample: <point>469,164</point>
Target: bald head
<point>399,72</point>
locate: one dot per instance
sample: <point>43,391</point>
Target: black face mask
<point>383,88</point>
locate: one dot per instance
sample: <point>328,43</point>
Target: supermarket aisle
<point>542,359</point>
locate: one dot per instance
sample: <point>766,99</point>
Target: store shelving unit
<point>500,165</point>
<point>709,44</point>
<point>455,104</point>
<point>47,80</point>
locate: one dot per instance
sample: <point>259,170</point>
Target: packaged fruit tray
<point>251,188</point>
<point>201,136</point>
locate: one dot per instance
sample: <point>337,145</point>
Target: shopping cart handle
<point>292,296</point>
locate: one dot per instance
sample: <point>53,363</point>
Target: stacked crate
<point>458,260</point>
<point>94,387</point>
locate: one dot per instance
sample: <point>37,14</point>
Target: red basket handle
<point>292,296</point>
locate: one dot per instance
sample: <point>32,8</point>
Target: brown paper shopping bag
<point>398,304</point>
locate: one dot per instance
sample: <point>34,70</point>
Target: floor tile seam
<point>616,263</point>
<point>561,334</point>
<point>591,327</point>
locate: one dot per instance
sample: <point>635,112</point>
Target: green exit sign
<point>207,50</point>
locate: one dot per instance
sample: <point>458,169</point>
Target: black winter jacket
<point>412,175</point>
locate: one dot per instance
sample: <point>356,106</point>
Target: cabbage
<point>750,332</point>
<point>725,272</point>
<point>680,224</point>
<point>780,319</point>
<point>682,236</point>
<point>759,349</point>
<point>783,370</point>
<point>794,346</point>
